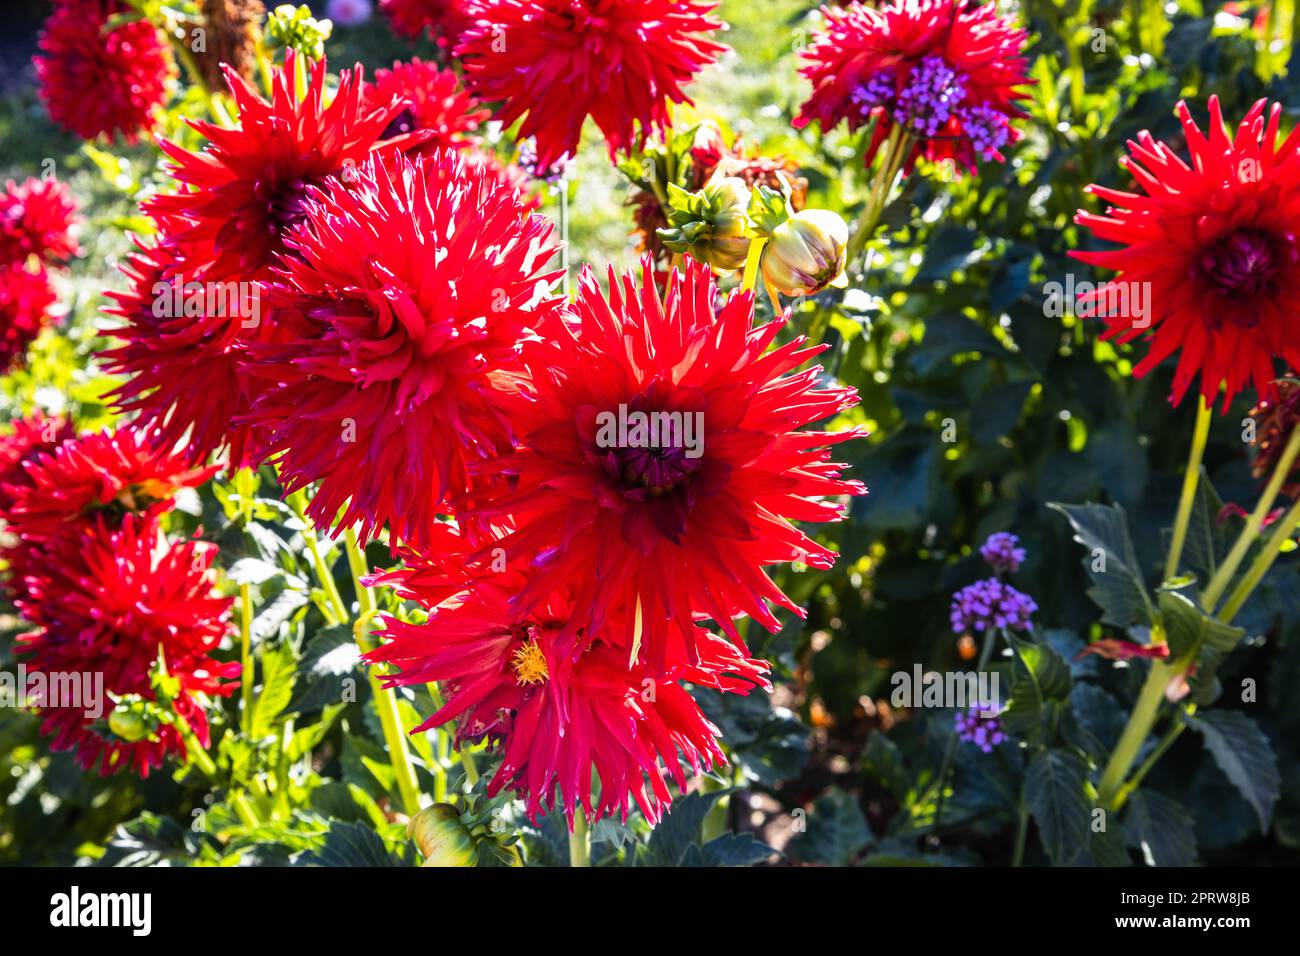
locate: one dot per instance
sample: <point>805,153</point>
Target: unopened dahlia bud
<point>806,253</point>
<point>443,840</point>
<point>295,28</point>
<point>710,224</point>
<point>130,719</point>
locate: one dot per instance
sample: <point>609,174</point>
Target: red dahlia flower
<point>621,61</point>
<point>37,434</point>
<point>94,81</point>
<point>400,314</point>
<point>181,357</point>
<point>660,464</point>
<point>442,19</point>
<point>37,218</point>
<point>554,711</point>
<point>108,602</point>
<point>1209,259</point>
<point>100,474</point>
<point>431,99</point>
<point>25,300</point>
<point>946,70</point>
<point>251,184</point>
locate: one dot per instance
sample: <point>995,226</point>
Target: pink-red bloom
<point>252,184</point>
<point>31,436</point>
<point>400,315</point>
<point>661,461</point>
<point>111,601</point>
<point>93,81</point>
<point>1209,259</point>
<point>557,710</point>
<point>431,99</point>
<point>37,218</point>
<point>99,474</point>
<point>180,353</point>
<point>947,71</point>
<point>443,20</point>
<point>554,62</point>
<point>25,300</point>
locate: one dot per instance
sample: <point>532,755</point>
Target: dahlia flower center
<point>286,203</point>
<point>529,664</point>
<point>1243,262</point>
<point>403,123</point>
<point>658,470</point>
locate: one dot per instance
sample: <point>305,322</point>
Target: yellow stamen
<point>530,664</point>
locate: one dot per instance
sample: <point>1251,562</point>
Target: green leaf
<point>1023,717</point>
<point>351,844</point>
<point>1118,586</point>
<point>1208,539</point>
<point>1245,756</point>
<point>329,660</point>
<point>1189,628</point>
<point>252,571</point>
<point>1108,847</point>
<point>1054,793</point>
<point>1048,669</point>
<point>883,761</point>
<point>730,849</point>
<point>278,665</point>
<point>950,248</point>
<point>1161,828</point>
<point>679,830</point>
<point>835,830</point>
<point>950,334</point>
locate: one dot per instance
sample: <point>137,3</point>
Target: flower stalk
<point>385,698</point>
<point>1191,479</point>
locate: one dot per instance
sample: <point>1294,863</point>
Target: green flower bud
<point>129,719</point>
<point>443,840</point>
<point>295,28</point>
<point>711,224</point>
<point>806,253</point>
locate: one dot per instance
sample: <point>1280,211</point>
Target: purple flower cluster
<point>933,92</point>
<point>877,91</point>
<point>985,732</point>
<point>1002,553</point>
<point>562,168</point>
<point>988,129</point>
<point>991,603</point>
<point>933,95</point>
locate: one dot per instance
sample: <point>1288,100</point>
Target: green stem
<point>564,235</point>
<point>1139,725</point>
<point>896,149</point>
<point>323,572</point>
<point>1263,561</point>
<point>385,699</point>
<point>986,653</point>
<point>1022,831</point>
<point>752,260</point>
<point>579,847</point>
<point>246,657</point>
<point>1200,434</point>
<point>1223,576</point>
<point>1175,729</point>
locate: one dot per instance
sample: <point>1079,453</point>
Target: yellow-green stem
<point>246,656</point>
<point>752,259</point>
<point>324,575</point>
<point>1140,722</point>
<point>1223,576</point>
<point>1263,561</point>
<point>390,720</point>
<point>579,846</point>
<point>1200,433</point>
